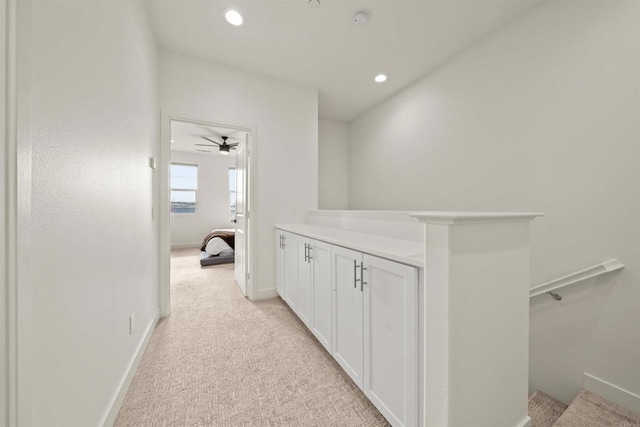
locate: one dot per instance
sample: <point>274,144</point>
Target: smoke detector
<point>360,18</point>
<point>313,4</point>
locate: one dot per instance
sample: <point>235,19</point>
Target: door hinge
<point>248,276</point>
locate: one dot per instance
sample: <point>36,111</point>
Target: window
<point>232,190</point>
<point>184,186</point>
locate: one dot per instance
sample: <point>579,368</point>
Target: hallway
<point>220,359</point>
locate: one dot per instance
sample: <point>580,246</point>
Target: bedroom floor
<point>222,360</point>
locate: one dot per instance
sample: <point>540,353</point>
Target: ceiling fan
<point>224,147</point>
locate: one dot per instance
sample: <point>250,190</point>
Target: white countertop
<point>403,251</point>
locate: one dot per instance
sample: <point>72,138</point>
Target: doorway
<point>205,195</point>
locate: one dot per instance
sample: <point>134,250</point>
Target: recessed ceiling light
<point>233,17</point>
<point>380,78</point>
<point>172,140</point>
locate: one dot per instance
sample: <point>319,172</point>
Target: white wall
<point>212,209</point>
<point>94,125</point>
<point>285,123</point>
<point>542,116</point>
<point>332,164</point>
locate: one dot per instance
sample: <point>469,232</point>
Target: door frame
<point>15,215</point>
<point>164,189</point>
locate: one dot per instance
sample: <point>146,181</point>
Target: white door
<point>242,214</point>
<point>280,262</point>
<point>391,339</point>
<point>303,301</point>
<point>321,292</point>
<point>290,269</point>
<point>347,313</point>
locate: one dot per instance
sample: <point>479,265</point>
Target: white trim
<point>118,398</point>
<point>611,392</point>
<point>578,276</point>
<point>4,204</point>
<point>451,217</point>
<point>165,215</point>
<point>23,155</point>
<point>526,422</point>
<point>16,292</point>
<point>266,293</point>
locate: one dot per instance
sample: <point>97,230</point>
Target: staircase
<point>587,410</point>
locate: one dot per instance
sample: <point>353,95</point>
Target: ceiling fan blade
<point>205,145</point>
<point>233,145</point>
<point>210,140</point>
<point>210,131</point>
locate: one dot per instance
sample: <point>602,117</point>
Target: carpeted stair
<point>544,410</point>
<point>587,410</point>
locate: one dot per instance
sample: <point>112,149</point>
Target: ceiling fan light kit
<point>224,147</point>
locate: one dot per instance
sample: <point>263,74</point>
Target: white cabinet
<point>364,310</point>
<point>321,292</point>
<point>347,312</point>
<point>303,280</point>
<point>303,263</point>
<point>375,336</point>
<point>280,262</point>
<point>290,254</point>
<point>391,339</point>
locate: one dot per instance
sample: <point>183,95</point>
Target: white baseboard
<point>186,245</point>
<point>118,398</point>
<point>266,293</point>
<point>526,422</point>
<point>611,392</point>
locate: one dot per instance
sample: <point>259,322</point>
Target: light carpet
<point>222,360</point>
<point>544,410</point>
<point>592,410</point>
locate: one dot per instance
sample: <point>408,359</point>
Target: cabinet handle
<point>355,274</point>
<point>362,282</point>
<point>281,236</point>
<point>284,239</point>
<point>306,257</point>
<point>309,258</point>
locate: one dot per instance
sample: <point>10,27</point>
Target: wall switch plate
<point>132,319</point>
<point>153,163</point>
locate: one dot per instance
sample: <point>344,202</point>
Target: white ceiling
<point>188,137</point>
<point>320,47</point>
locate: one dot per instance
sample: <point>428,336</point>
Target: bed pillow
<point>216,245</point>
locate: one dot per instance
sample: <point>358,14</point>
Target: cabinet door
<point>290,270</point>
<point>303,299</point>
<point>347,313</point>
<point>280,263</point>
<point>391,339</point>
<point>321,292</point>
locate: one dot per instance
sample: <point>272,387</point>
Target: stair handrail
<point>588,273</point>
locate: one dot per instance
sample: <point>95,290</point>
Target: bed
<point>218,247</point>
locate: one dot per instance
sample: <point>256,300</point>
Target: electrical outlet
<point>132,319</point>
